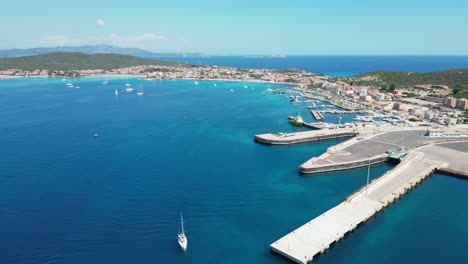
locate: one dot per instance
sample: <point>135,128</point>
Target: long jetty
<point>317,235</point>
<point>303,137</point>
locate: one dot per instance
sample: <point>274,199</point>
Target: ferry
<point>296,120</point>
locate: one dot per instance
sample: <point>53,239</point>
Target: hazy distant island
<point>92,49</point>
<point>266,56</point>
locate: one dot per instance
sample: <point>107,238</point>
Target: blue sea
<point>337,65</point>
<point>67,196</point>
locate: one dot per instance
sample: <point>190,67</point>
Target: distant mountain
<point>97,49</point>
<point>67,61</point>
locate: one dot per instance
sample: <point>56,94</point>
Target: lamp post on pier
<point>368,173</point>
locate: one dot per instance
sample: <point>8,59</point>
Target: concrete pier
<point>355,152</point>
<point>312,125</point>
<point>307,168</point>
<point>317,115</point>
<point>303,137</point>
<point>316,236</point>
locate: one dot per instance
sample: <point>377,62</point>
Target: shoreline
<point>121,76</point>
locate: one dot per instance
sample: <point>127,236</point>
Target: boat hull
<point>294,122</point>
<point>182,240</point>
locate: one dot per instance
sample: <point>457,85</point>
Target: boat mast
<point>182,223</point>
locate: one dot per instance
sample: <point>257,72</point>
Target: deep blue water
<point>67,197</point>
<point>336,65</point>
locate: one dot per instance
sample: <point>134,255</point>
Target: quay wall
<point>343,166</point>
<point>453,173</point>
<point>292,140</point>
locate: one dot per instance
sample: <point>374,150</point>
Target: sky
<point>241,27</point>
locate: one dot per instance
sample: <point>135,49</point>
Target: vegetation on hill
<point>68,61</point>
<point>456,80</point>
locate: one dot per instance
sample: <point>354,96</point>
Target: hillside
<point>456,79</point>
<point>91,49</point>
<point>66,61</point>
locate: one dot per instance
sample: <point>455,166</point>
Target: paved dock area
<point>451,155</point>
<point>358,149</point>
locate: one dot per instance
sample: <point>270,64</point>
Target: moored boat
<point>296,120</point>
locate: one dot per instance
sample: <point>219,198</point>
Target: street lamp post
<point>368,174</point>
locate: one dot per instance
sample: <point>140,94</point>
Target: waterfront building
<point>462,104</point>
<point>379,97</point>
<point>449,102</point>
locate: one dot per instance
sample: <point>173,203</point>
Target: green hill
<point>456,79</point>
<point>68,61</point>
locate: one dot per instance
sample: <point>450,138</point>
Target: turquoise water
<point>68,197</point>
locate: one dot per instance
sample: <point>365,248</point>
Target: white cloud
<point>99,22</point>
<point>57,40</point>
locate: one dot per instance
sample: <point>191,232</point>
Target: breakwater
<point>302,137</point>
<point>309,167</point>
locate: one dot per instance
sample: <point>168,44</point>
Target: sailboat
<point>116,92</point>
<point>181,238</point>
<point>76,83</point>
<point>140,91</point>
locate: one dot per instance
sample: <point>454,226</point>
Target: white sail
<point>140,91</point>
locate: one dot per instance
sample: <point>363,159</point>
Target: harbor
<point>317,235</point>
<point>418,153</point>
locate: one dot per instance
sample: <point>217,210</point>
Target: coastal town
<point>428,103</point>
